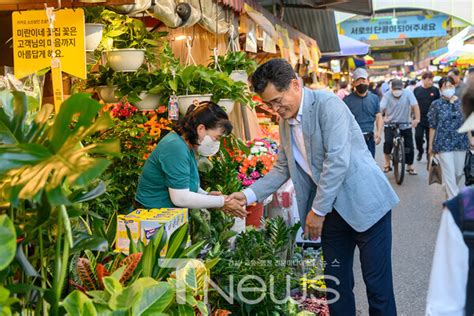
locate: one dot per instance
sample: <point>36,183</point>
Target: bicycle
<point>398,152</point>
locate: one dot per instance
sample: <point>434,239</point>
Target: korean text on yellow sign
<point>33,43</point>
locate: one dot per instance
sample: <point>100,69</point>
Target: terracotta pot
<point>255,213</point>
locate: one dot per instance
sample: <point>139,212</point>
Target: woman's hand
<point>233,207</point>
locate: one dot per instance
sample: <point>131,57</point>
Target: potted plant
<point>136,88</point>
<point>227,91</point>
<point>94,27</point>
<point>104,84</point>
<point>127,42</point>
<point>191,84</point>
<point>237,65</point>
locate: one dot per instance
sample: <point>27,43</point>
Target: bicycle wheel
<point>399,161</point>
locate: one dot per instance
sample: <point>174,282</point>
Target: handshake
<point>234,204</point>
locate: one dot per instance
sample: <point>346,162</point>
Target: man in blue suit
<point>342,195</point>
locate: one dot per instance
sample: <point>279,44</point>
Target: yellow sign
<point>57,83</point>
<point>33,41</point>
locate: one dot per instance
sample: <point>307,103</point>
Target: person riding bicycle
<point>397,105</point>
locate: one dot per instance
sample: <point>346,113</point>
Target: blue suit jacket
<point>344,174</point>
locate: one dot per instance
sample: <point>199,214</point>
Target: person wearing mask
<point>445,118</point>
<point>453,259</point>
<point>324,153</point>
<point>343,90</point>
<point>459,85</point>
<point>425,95</point>
<point>398,104</point>
<point>170,176</point>
<point>365,107</point>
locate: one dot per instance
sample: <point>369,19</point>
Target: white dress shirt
<point>298,149</point>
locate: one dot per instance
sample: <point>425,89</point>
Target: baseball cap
<point>360,73</point>
<point>397,84</point>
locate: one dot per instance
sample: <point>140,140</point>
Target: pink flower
<point>246,182</point>
<point>255,175</point>
<point>241,176</point>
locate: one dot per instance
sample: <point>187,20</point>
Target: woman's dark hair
<point>276,71</point>
<point>343,84</point>
<point>208,113</point>
<point>445,80</point>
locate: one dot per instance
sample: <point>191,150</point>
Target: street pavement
<point>415,223</point>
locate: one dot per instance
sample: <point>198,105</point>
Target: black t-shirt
<point>425,97</point>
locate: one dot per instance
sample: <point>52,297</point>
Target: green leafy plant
<point>93,14</point>
<point>130,85</point>
<point>235,61</point>
<point>122,31</point>
<point>43,174</point>
<point>104,77</point>
<point>261,253</point>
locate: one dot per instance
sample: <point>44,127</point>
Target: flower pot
<point>107,94</point>
<point>148,102</point>
<point>255,213</point>
<point>239,75</point>
<point>227,104</point>
<point>125,60</point>
<point>93,36</point>
<point>185,101</point>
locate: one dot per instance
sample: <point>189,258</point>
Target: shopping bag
<point>434,171</point>
<point>469,167</point>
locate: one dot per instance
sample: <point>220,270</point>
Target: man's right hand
<point>234,207</point>
<point>239,196</point>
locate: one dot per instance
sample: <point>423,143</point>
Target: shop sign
<point>34,42</point>
<point>400,27</point>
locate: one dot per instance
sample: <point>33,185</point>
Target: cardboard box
<point>143,224</point>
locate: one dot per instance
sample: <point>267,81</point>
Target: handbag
<point>469,168</point>
<point>434,171</point>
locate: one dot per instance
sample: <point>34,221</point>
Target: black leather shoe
<point>420,155</point>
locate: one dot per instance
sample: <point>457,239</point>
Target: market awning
<point>360,7</point>
<point>349,47</point>
<point>463,55</point>
<point>317,24</point>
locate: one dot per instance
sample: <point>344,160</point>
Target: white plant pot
<point>227,104</point>
<point>148,102</point>
<point>93,36</point>
<point>126,59</point>
<point>107,94</point>
<point>185,101</point>
<point>239,76</point>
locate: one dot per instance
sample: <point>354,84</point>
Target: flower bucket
<point>125,60</point>
<point>93,36</point>
<point>148,102</point>
<point>255,213</point>
<point>227,104</point>
<point>239,76</point>
<point>185,101</point>
<point>107,93</point>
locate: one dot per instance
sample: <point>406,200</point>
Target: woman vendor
<point>170,176</point>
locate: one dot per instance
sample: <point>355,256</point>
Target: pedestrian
<point>411,85</point>
<point>343,90</point>
<point>445,118</point>
<point>342,195</point>
<point>398,105</point>
<point>459,85</point>
<point>453,260</point>
<point>365,106</point>
<point>373,88</point>
<point>425,95</point>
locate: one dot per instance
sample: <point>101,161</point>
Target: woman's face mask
<point>208,146</point>
<point>448,92</point>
